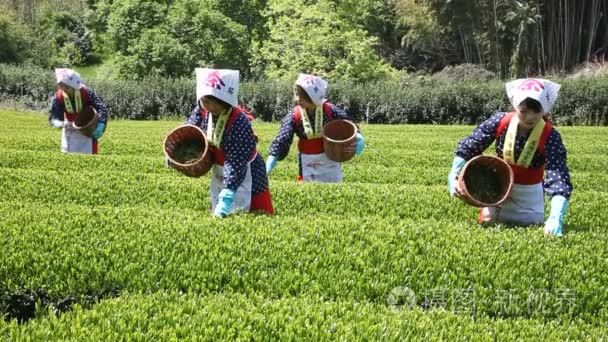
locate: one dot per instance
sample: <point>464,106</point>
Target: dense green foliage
<point>409,100</point>
<point>350,40</point>
<point>58,38</point>
<point>333,261</point>
<point>314,38</point>
<point>172,316</point>
<point>10,40</point>
<point>512,38</point>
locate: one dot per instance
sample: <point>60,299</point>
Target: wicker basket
<point>494,166</point>
<point>184,133</point>
<point>86,121</point>
<point>337,136</point>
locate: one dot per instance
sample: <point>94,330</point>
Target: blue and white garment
<point>238,145</point>
<point>57,108</point>
<point>557,175</point>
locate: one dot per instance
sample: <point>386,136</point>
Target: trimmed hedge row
<point>171,316</point>
<point>130,247</point>
<point>583,101</point>
<point>74,225</point>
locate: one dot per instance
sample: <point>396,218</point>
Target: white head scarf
<point>220,83</point>
<point>69,77</point>
<point>314,86</point>
<point>541,90</point>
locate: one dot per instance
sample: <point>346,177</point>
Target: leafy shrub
<point>411,100</point>
<point>77,225</point>
<point>66,31</point>
<point>12,40</point>
<point>464,72</point>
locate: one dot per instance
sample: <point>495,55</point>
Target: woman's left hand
<point>98,132</point>
<point>359,144</point>
<point>350,148</point>
<point>356,146</point>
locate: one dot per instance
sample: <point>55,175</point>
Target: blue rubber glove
<point>271,162</point>
<point>457,166</point>
<point>224,203</point>
<point>359,144</point>
<point>554,226</point>
<point>98,132</point>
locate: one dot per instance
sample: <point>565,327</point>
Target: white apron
<point>72,141</point>
<point>242,197</point>
<point>319,168</point>
<point>525,206</point>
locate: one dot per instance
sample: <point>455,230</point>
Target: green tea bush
<point>582,101</point>
<point>336,261</point>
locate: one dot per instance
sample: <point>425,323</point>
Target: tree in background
<point>66,31</point>
<point>189,35</point>
<point>512,37</point>
<point>525,17</point>
<point>248,13</point>
<point>12,40</point>
<point>427,40</point>
<point>341,39</point>
<point>128,19</point>
<point>209,37</point>
<point>96,20</point>
<point>307,36</point>
<point>572,32</point>
<point>156,53</point>
<point>56,38</point>
<point>28,11</point>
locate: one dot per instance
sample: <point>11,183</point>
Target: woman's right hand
<point>457,190</point>
<point>57,123</point>
<point>271,163</point>
<point>453,186</point>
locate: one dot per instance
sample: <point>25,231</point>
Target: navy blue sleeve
<point>56,110</point>
<point>340,114</point>
<point>482,137</point>
<point>557,175</point>
<point>194,118</point>
<point>238,145</point>
<point>282,142</point>
<point>99,106</point>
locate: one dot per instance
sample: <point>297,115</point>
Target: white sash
<point>242,197</point>
<point>525,206</point>
<point>319,168</point>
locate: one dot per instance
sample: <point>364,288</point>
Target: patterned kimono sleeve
<point>557,175</point>
<point>341,114</point>
<point>282,142</point>
<point>56,109</point>
<point>238,146</point>
<point>482,137</point>
<point>194,118</point>
<point>99,106</point>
